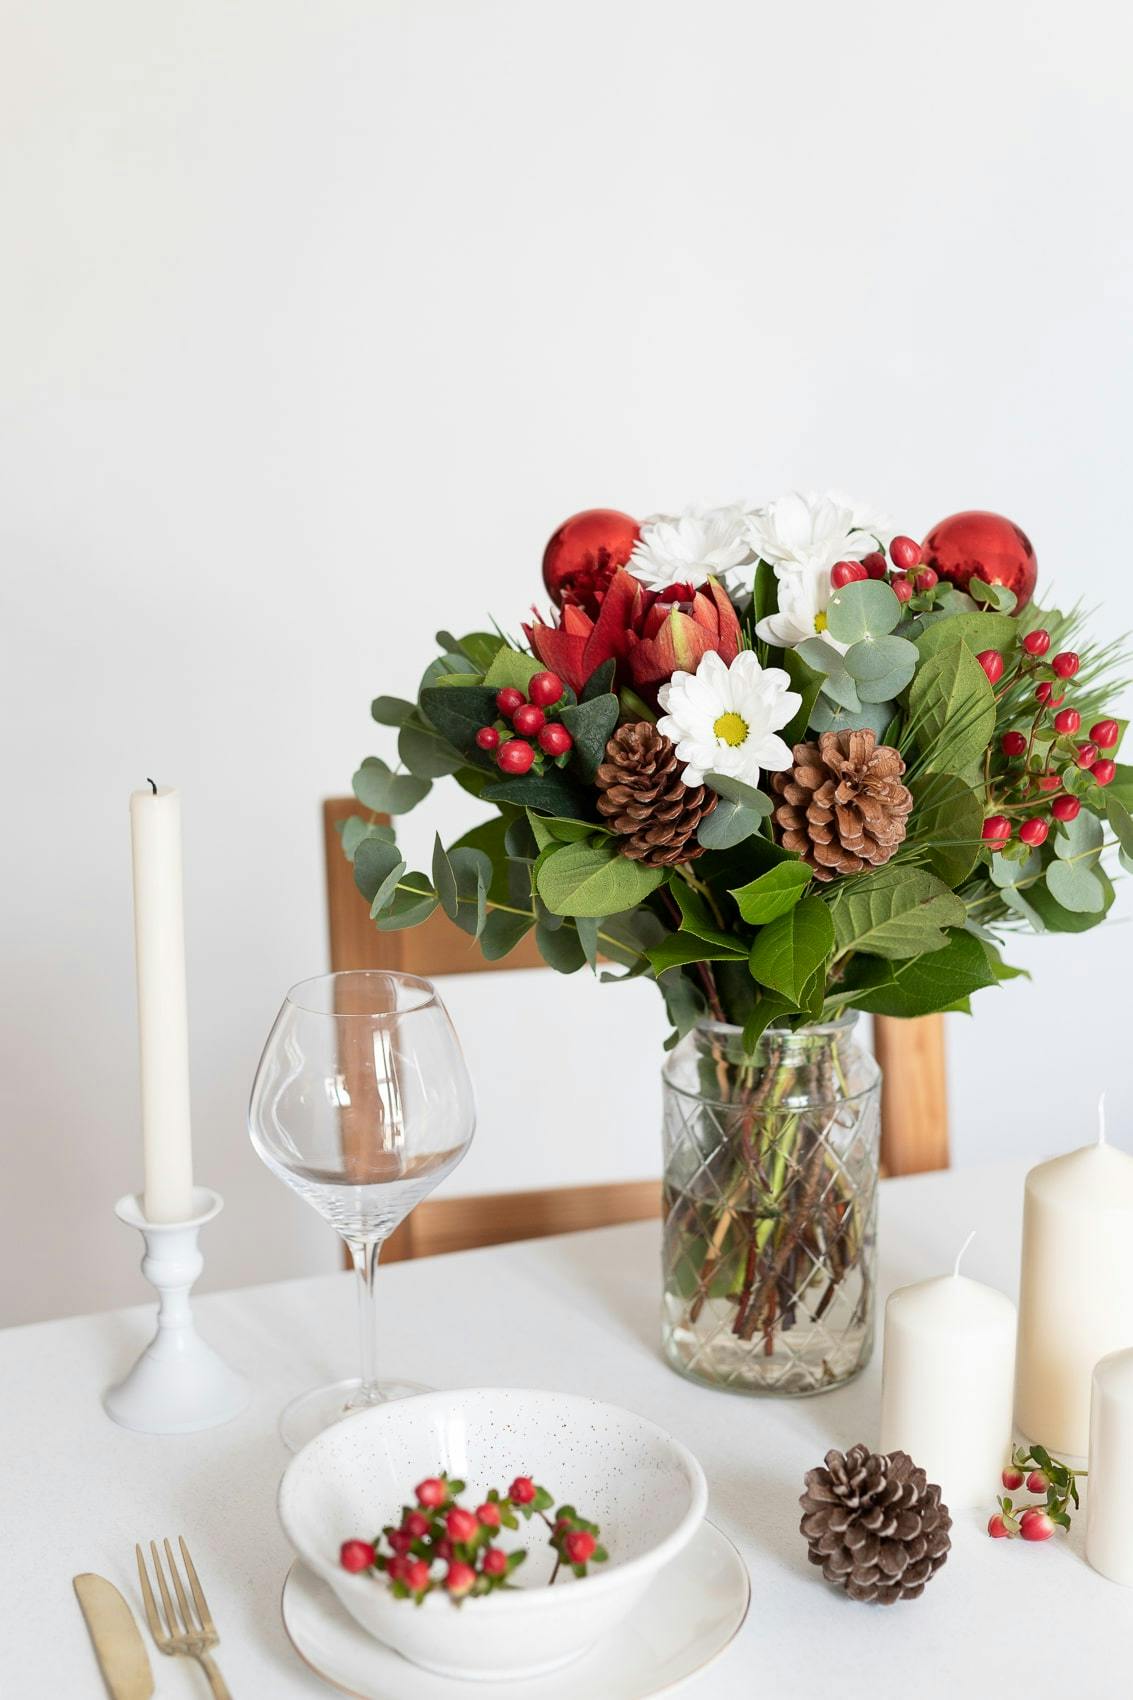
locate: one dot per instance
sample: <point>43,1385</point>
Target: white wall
<point>314,320</point>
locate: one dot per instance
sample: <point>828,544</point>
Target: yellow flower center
<point>731,729</point>
<point>820,622</point>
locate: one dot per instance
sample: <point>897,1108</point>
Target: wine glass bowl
<point>362,1105</point>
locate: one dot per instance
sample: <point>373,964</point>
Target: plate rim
<point>356,1694</point>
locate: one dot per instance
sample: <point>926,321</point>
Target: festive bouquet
<point>787,764</point>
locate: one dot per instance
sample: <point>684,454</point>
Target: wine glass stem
<point>365,1254</point>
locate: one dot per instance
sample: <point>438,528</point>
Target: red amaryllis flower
<point>649,636</point>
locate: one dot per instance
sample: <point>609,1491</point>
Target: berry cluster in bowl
<point>437,1531</point>
<point>528,729</point>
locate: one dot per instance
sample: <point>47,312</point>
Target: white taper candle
<point>163,1024</point>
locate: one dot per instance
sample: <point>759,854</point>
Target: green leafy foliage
<point>591,725</point>
<point>880,667</point>
<point>975,631</point>
<point>592,878</point>
<point>866,609</point>
<point>388,793</point>
<point>354,829</point>
<point>731,821</point>
<point>511,667</point>
<point>773,893</point>
<point>413,902</point>
<point>789,950</point>
<point>895,911</point>
<point>458,712</point>
<point>946,825</point>
<point>922,985</point>
<point>425,752</point>
<point>951,710</point>
<point>391,711</point>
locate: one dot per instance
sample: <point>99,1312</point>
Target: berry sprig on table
<point>508,740</point>
<point>1037,1472</point>
<point>438,1530</point>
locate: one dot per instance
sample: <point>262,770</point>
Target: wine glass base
<point>312,1412</point>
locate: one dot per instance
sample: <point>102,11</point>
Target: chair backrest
<point>914,1113</point>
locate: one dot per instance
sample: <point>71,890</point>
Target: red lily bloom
<point>649,636</point>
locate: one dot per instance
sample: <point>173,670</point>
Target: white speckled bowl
<point>645,1490</point>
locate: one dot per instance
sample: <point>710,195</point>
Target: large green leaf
<point>789,951</point>
<point>593,879</point>
<point>425,752</point>
<point>385,792</point>
<point>551,792</point>
<point>697,918</point>
<point>1079,840</point>
<point>976,631</point>
<point>684,1003</point>
<point>737,792</point>
<point>951,710</point>
<point>458,712</point>
<point>926,984</point>
<point>560,947</point>
<point>1056,917</point>
<point>481,648</point>
<point>1121,821</point>
<point>512,667</point>
<point>773,893</point>
<point>553,829</point>
<point>770,1008</point>
<point>947,823</point>
<point>864,609</point>
<point>895,912</point>
<point>681,948</point>
<point>591,725</point>
<point>1075,886</point>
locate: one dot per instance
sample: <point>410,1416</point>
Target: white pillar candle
<point>163,1023</point>
<point>947,1379</point>
<point>1109,1488</point>
<point>1075,1289</point>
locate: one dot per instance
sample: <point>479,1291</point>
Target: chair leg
<point>914,1094</point>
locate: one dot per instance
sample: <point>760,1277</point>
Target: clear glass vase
<point>770,1206</point>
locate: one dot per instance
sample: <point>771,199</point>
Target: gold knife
<point>118,1645</point>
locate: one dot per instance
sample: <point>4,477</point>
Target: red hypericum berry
<point>1045,693</point>
<point>521,1491</point>
<point>442,1549</point>
<point>1066,664</point>
<point>1063,808</point>
<point>1012,1479</point>
<point>1067,720</point>
<point>415,1525</point>
<point>1035,1525</point>
<point>924,578</point>
<point>416,1576</point>
<point>495,1561</point>
<point>874,564</point>
<point>1013,744</point>
<point>997,1528</point>
<point>515,756</point>
<point>1047,781</point>
<point>1104,771</point>
<point>356,1555</point>
<point>1036,643</point>
<point>544,689</point>
<point>579,1545</point>
<point>1037,1482</point>
<point>1034,831</point>
<point>508,700</point>
<point>902,589</point>
<point>462,1525</point>
<point>1105,733</point>
<point>1087,755</point>
<point>992,663</point>
<point>487,738</point>
<point>905,554</point>
<point>397,1567</point>
<point>459,1578</point>
<point>488,1514</point>
<point>431,1492</point>
<point>400,1541</point>
<point>997,830</point>
<point>555,739</point>
<point>528,719</point>
<point>846,572</point>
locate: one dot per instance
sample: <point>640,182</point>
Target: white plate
<point>689,1615</point>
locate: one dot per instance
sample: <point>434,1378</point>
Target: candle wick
<point>962,1250</point>
<point>151,785</point>
<point>1101,1119</point>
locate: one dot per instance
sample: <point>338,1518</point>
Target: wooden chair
<point>914,1119</point>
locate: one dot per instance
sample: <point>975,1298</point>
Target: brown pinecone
<point>641,792</point>
<point>875,1524</point>
<point>843,804</point>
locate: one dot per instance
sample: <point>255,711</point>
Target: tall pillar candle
<point>947,1383</point>
<point>1075,1289</point>
<point>163,1022</point>
<point>1109,1489</point>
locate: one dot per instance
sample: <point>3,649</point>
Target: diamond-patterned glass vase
<point>770,1207</point>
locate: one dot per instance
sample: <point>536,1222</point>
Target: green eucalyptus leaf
<point>594,879</point>
<point>561,948</point>
<point>391,711</point>
<point>1122,823</point>
<point>867,608</point>
<point>875,717</point>
<point>1057,917</point>
<point>773,893</point>
<point>994,596</point>
<point>684,1003</point>
<point>1079,840</point>
<point>587,927</point>
<point>789,950</point>
<point>425,752</point>
<point>355,828</point>
<point>881,667</point>
<point>895,911</point>
<point>387,793</point>
<point>374,859</point>
<point>473,874</point>
<point>386,892</point>
<point>836,682</point>
<point>1075,887</point>
<point>413,903</point>
<point>502,932</point>
<point>730,823</point>
<point>1008,871</point>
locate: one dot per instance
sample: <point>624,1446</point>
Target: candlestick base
<point>179,1383</point>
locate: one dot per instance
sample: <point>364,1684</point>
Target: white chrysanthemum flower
<point>690,547</point>
<point>804,596</point>
<point>724,719</point>
<point>810,530</point>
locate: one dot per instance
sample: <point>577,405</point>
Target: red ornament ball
<point>983,545</point>
<point>515,756</point>
<point>583,554</point>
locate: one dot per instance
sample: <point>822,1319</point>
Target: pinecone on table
<point>875,1524</point>
<point>843,806</point>
<point>644,798</point>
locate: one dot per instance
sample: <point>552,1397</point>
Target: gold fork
<point>186,1633</point>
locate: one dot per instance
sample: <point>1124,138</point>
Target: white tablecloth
<point>578,1313</point>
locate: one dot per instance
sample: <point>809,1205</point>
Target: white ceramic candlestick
<point>179,1383</point>
<point>163,1022</point>
<point>947,1383</point>
<point>1109,1490</point>
<point>1075,1289</point>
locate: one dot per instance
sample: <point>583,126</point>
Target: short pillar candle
<point>1109,1487</point>
<point>947,1383</point>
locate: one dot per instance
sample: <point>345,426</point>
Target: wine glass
<point>363,1104</point>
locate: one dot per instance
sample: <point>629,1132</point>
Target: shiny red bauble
<point>515,756</point>
<point>986,546</point>
<point>555,740</point>
<point>1063,808</point>
<point>544,689</point>
<point>1013,744</point>
<point>1034,831</point>
<point>992,663</point>
<point>1104,771</point>
<point>843,573</point>
<point>584,552</point>
<point>905,553</point>
<point>1067,720</point>
<point>1037,643</point>
<point>528,719</point>
<point>1105,733</point>
<point>997,830</point>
